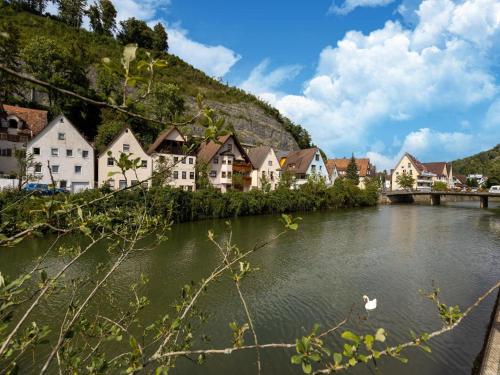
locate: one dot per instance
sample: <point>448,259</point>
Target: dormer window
<point>61,136</point>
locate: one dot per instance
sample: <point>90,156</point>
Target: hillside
<point>254,121</point>
<point>487,163</point>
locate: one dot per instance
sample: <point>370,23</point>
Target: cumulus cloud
<point>397,73</point>
<point>141,9</point>
<point>265,83</point>
<point>349,5</point>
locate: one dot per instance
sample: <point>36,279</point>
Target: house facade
<point>17,126</point>
<point>70,157</point>
<point>169,161</point>
<point>333,173</point>
<point>424,174</point>
<point>266,167</point>
<point>124,143</point>
<point>227,164</point>
<point>365,169</point>
<point>303,164</point>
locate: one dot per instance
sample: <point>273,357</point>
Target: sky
<point>375,78</point>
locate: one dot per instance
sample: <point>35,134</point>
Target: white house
<point>331,167</point>
<point>168,156</point>
<point>125,142</point>
<point>306,163</point>
<point>266,166</point>
<point>228,165</point>
<point>365,169</point>
<point>70,157</point>
<point>17,126</point>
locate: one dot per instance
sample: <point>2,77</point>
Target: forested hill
<point>51,49</point>
<point>487,163</point>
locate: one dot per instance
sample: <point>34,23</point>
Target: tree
<point>352,171</point>
<point>35,6</point>
<point>25,163</point>
<point>160,38</point>
<point>440,186</point>
<point>405,181</point>
<point>9,57</point>
<point>135,31</point>
<point>471,182</point>
<point>72,11</point>
<point>102,16</point>
<point>165,102</point>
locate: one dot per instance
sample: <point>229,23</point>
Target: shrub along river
<point>316,274</point>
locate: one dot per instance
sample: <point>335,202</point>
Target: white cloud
<point>140,9</point>
<point>265,83</point>
<point>398,73</point>
<point>349,5</point>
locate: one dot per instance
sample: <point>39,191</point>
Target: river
<point>316,274</point>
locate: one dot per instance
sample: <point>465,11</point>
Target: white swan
<point>370,305</point>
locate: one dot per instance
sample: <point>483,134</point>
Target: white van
<point>495,189</point>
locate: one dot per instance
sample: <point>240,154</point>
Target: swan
<point>370,305</point>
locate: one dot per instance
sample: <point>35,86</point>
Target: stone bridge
<point>408,196</point>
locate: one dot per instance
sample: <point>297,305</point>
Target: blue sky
<point>373,77</point>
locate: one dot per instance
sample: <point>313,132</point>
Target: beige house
<point>125,142</point>
<point>17,126</point>
<point>228,165</point>
<point>424,174</point>
<point>365,169</point>
<point>168,158</point>
<point>266,166</point>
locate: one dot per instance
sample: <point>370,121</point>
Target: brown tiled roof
<point>362,164</point>
<point>161,137</point>
<point>330,166</point>
<point>461,178</point>
<point>420,167</point>
<point>258,155</point>
<point>35,119</point>
<point>208,150</point>
<point>299,161</point>
<point>436,167</point>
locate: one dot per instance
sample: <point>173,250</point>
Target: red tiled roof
<point>258,155</point>
<point>208,150</point>
<point>330,166</point>
<point>436,167</point>
<point>362,164</point>
<point>299,161</point>
<point>420,167</point>
<point>35,119</point>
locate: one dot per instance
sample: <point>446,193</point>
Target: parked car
<point>495,189</point>
<point>43,189</point>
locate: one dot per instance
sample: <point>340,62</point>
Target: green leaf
<point>402,359</point>
<point>296,359</point>
<point>352,361</point>
<point>306,367</point>
<point>380,335</point>
<point>337,358</point>
<point>426,348</point>
<point>348,335</point>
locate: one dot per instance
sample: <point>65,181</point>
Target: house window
<point>230,147</point>
<point>190,188</point>
<point>78,169</point>
<point>191,160</point>
<point>263,174</point>
<point>6,152</point>
<point>111,162</point>
<point>145,185</point>
<point>144,163</point>
<point>69,153</point>
<point>3,136</point>
<point>223,161</point>
<point>229,161</point>
<point>85,154</point>
<point>184,175</point>
<point>38,168</point>
<point>55,169</point>
<point>271,174</point>
<point>183,160</point>
<point>216,160</point>
<point>229,174</point>
<point>176,175</point>
<point>313,168</point>
<point>61,136</point>
<point>176,159</point>
<point>126,147</point>
<point>111,183</point>
<point>409,165</point>
<point>321,168</point>
<point>36,150</point>
<point>223,174</point>
<point>411,172</point>
<point>317,157</point>
<point>270,163</point>
<point>213,173</point>
<point>134,182</point>
<point>191,175</point>
<point>54,151</point>
<point>122,184</point>
<point>63,184</point>
<point>13,123</point>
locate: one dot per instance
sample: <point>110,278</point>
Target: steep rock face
<point>251,124</point>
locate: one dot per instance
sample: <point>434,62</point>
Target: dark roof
<point>437,167</point>
<point>161,137</point>
<point>362,164</point>
<point>299,161</point>
<point>35,119</point>
<point>258,155</point>
<point>208,150</point>
<point>330,166</point>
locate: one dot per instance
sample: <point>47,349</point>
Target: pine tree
<point>352,171</point>
<point>160,38</point>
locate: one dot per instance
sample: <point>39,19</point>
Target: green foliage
<point>471,182</point>
<point>71,11</point>
<point>440,186</point>
<point>352,171</point>
<point>102,17</point>
<point>405,181</point>
<point>165,102</point>
<point>486,163</point>
<point>134,31</point>
<point>160,38</point>
<point>10,88</point>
